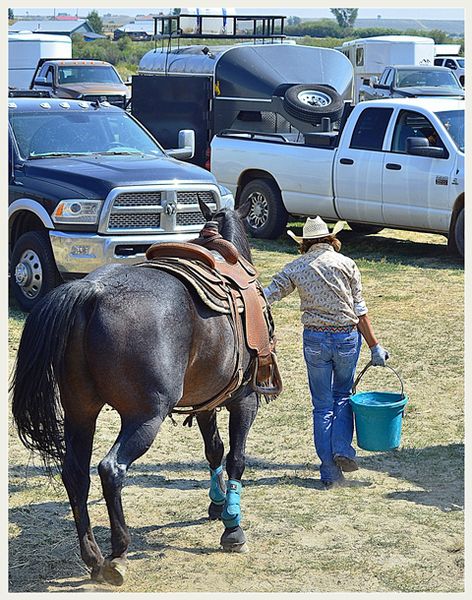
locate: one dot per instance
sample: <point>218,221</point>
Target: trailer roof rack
<point>233,27</point>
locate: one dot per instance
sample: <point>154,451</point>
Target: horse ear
<point>206,211</point>
<point>243,209</point>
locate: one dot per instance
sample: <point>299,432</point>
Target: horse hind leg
<point>76,478</point>
<point>214,451</point>
<point>134,439</point>
<point>242,415</point>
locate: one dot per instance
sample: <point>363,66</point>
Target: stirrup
<point>273,385</point>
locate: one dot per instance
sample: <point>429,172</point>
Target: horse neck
<point>233,231</point>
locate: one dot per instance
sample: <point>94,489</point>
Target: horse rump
<point>36,406</point>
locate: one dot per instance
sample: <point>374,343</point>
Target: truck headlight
<point>85,212</point>
<point>227,198</point>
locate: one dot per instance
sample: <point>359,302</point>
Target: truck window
<point>438,62</point>
<point>389,78</point>
<point>50,75</point>
<point>450,64</point>
<point>359,57</point>
<point>370,129</point>
<point>413,124</point>
<point>88,74</point>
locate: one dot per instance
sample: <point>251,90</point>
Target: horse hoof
<point>236,548</point>
<point>97,574</point>
<point>214,511</point>
<point>234,540</point>
<point>114,570</point>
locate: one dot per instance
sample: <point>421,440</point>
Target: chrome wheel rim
<point>29,274</point>
<point>314,98</point>
<point>259,212</point>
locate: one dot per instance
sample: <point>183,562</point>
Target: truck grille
<point>116,100</point>
<point>134,222</point>
<point>139,199</point>
<point>192,197</point>
<point>190,218</point>
<point>163,211</point>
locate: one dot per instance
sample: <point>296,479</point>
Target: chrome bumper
<point>81,253</point>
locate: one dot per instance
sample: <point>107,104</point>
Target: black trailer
<point>269,85</point>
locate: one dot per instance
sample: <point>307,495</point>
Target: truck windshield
<point>418,78</point>
<point>461,62</point>
<point>453,121</point>
<point>69,132</point>
<point>88,74</point>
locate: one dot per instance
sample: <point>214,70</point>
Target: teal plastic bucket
<point>378,416</point>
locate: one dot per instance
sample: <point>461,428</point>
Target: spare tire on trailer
<point>310,103</point>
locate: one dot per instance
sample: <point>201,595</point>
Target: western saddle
<point>227,283</point>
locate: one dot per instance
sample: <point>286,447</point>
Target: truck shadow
<point>378,248</point>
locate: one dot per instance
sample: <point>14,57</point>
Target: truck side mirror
<point>186,147</point>
<point>373,81</point>
<point>419,146</point>
<point>42,81</point>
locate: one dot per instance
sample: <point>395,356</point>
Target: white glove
<point>379,356</point>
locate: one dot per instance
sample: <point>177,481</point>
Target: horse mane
<point>232,228</point>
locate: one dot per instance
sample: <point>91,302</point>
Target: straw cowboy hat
<point>316,228</point>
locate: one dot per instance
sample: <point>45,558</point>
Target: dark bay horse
<point>138,340</point>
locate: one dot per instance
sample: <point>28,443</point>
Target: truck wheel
<point>365,229</point>
<point>33,272</point>
<point>310,103</point>
<point>459,233</point>
<point>267,217</point>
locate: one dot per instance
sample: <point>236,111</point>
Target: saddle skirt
<point>227,283</point>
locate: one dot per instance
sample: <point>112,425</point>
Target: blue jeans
<point>331,360</point>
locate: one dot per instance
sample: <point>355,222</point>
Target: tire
<point>267,217</point>
<point>310,103</point>
<point>365,229</point>
<point>459,233</point>
<point>33,271</point>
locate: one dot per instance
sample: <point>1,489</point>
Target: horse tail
<point>36,405</point>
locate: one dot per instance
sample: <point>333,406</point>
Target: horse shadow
<point>437,472</point>
<point>47,548</point>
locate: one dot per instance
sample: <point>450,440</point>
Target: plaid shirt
<point>329,286</point>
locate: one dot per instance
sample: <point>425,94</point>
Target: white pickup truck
<point>395,163</point>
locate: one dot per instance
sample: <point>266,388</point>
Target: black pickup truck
<point>88,185</point>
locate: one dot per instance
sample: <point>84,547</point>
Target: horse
<point>137,340</point>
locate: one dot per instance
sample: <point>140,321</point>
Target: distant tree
<point>176,11</point>
<point>294,21</point>
<point>10,13</point>
<point>346,17</point>
<point>95,21</point>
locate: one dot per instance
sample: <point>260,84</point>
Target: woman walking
<point>334,315</point>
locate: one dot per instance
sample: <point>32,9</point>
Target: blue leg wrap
<point>217,486</point>
<point>231,514</point>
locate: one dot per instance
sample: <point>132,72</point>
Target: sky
<point>364,13</point>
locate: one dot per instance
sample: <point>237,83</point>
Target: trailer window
<point>359,57</point>
<point>370,129</point>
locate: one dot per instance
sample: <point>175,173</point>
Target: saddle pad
<point>209,285</point>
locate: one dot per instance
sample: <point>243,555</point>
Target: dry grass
<point>397,527</point>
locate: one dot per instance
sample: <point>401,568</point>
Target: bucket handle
<point>368,365</point>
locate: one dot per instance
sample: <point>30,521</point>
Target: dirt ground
<point>397,526</point>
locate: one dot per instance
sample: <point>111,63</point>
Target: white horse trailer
<point>26,48</point>
<point>369,56</point>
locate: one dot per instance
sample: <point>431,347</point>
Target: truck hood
<point>95,177</point>
<point>428,91</point>
<point>95,88</point>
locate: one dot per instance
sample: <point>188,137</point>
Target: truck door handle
<point>346,161</point>
<point>393,166</point>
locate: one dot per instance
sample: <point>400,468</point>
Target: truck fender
<point>458,205</point>
<point>32,206</point>
<point>251,174</point>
